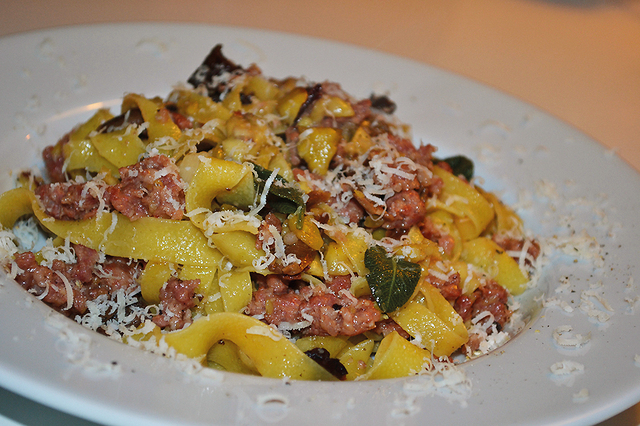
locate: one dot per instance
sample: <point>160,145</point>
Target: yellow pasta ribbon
<point>421,323</point>
<point>79,152</point>
<point>232,99</point>
<point>346,255</point>
<point>309,234</point>
<point>237,246</point>
<point>434,322</point>
<point>332,344</point>
<point>227,356</point>
<point>147,238</point>
<point>471,210</point>
<point>236,288</point>
<point>445,220</point>
<point>327,106</point>
<point>262,88</point>
<point>356,358</point>
<point>490,257</point>
<point>284,167</point>
<point>82,155</point>
<point>158,118</point>
<point>290,104</point>
<point>153,277</point>
<point>271,353</point>
<point>14,204</point>
<point>118,148</point>
<point>468,278</point>
<point>212,177</point>
<point>507,222</point>
<point>82,132</point>
<point>435,301</point>
<point>201,108</point>
<point>418,248</point>
<point>396,357</point>
<point>317,146</point>
<point>209,287</point>
<point>241,196</point>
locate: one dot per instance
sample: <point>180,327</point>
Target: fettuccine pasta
<point>269,227</point>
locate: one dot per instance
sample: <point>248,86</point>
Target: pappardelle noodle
<point>270,227</point>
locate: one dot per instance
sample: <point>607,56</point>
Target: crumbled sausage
<point>54,160</point>
<point>152,187</point>
<point>404,210</point>
<point>490,297</point>
<point>177,297</point>
<point>68,200</point>
<point>88,278</point>
<point>450,289</point>
<point>332,313</point>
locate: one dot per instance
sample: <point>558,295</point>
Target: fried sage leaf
<point>282,197</point>
<point>460,165</point>
<point>392,280</point>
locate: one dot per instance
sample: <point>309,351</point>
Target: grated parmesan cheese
<point>582,246</point>
<point>121,308</point>
<point>487,333</point>
<point>555,302</point>
<point>546,189</point>
<point>217,221</point>
<point>26,233</point>
<point>632,302</point>
<point>262,198</point>
<point>164,144</point>
<point>561,333</point>
<point>8,245</point>
<point>63,253</point>
<point>269,332</point>
<point>374,181</point>
<point>97,188</point>
<point>440,378</point>
<point>109,231</point>
<point>564,285</point>
<point>285,327</point>
<point>76,348</point>
<point>68,288</point>
<point>589,307</point>
<point>630,285</point>
<point>565,368</point>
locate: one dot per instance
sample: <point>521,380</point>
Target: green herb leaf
<point>392,281</point>
<point>282,197</point>
<point>460,165</point>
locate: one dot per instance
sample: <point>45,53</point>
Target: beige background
<point>576,59</point>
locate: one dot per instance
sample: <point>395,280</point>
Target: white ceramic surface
<point>54,79</point>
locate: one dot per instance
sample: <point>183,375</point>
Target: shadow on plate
<point>16,410</point>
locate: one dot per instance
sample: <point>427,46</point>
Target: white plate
<point>52,80</point>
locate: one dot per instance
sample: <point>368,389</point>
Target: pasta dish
<point>273,227</point>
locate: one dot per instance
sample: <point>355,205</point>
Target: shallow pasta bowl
<point>54,79</point>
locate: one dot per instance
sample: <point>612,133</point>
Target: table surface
<point>579,60</point>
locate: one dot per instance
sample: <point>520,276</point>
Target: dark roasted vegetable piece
<point>214,65</point>
<point>332,365</point>
<point>382,103</point>
<point>120,122</point>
